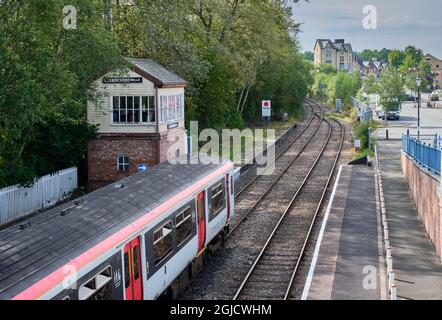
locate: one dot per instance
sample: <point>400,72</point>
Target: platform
<point>348,262</point>
<point>415,261</point>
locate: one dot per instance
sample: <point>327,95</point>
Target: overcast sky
<point>400,22</point>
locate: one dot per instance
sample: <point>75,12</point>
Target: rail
<point>276,229</point>
<point>426,153</point>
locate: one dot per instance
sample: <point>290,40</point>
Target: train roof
<point>41,245</point>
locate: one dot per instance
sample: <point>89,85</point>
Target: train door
<point>228,197</point>
<point>201,210</point>
<point>133,279</point>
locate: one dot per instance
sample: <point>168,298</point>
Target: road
<point>431,120</point>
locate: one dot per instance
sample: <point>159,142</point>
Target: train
<point>142,238</point>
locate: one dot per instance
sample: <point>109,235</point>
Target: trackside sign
<point>266,108</point>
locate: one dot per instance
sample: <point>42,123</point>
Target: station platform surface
<point>415,261</point>
<point>348,261</point>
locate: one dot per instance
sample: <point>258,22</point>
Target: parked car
<point>409,97</point>
<point>434,96</point>
<point>393,114</point>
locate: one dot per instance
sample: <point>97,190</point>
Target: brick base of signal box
<point>146,148</point>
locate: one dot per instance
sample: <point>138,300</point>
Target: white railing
<point>365,112</point>
<point>17,202</point>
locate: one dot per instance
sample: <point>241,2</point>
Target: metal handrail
<point>426,154</point>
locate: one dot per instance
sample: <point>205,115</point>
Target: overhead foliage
<point>44,73</point>
<point>232,52</point>
<point>338,85</point>
<point>380,55</point>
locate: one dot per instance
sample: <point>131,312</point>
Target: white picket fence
<point>17,202</point>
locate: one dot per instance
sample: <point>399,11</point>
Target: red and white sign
<point>266,108</point>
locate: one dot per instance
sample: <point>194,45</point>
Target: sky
<point>399,23</point>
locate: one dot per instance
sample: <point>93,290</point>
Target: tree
<point>45,73</point>
<point>381,55</point>
<point>219,46</point>
<point>396,58</point>
<point>309,56</point>
<point>370,85</point>
<point>327,68</point>
<point>391,90</point>
<point>346,86</point>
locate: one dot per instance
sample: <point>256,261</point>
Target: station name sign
<point>117,80</point>
<point>173,125</point>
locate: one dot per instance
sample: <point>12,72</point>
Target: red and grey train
<point>140,238</point>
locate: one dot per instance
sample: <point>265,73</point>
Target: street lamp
<point>418,84</point>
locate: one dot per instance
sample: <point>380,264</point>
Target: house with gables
<point>337,53</point>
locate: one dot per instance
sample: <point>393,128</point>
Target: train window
<point>126,270</point>
<point>163,242</point>
<point>136,263</point>
<point>183,223</point>
<point>217,200</point>
<point>97,288</point>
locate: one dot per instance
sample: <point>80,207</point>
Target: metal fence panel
<point>365,112</point>
<point>426,154</point>
<point>17,202</point>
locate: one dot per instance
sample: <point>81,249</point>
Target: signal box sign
<point>122,80</point>
<point>266,108</point>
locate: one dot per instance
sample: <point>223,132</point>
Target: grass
<point>349,116</point>
<point>246,147</point>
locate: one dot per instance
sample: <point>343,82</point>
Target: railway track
<point>273,272</point>
<point>260,186</point>
<point>261,213</point>
<point>255,177</point>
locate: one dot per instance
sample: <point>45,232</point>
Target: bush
<point>361,132</point>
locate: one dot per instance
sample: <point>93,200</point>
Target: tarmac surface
<point>348,263</point>
<point>415,262</point>
<point>348,255</point>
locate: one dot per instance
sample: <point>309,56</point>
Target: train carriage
<point>136,239</point>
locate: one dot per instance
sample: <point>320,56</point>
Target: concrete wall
<point>424,187</point>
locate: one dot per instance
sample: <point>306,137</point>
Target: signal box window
<point>123,164</point>
<point>218,196</point>
<point>134,110</point>
<point>162,242</point>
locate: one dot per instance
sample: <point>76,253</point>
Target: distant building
<point>436,67</point>
<point>373,67</point>
<point>358,65</point>
<point>337,53</point>
<point>140,117</point>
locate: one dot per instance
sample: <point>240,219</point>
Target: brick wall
<point>150,149</point>
<point>424,190</point>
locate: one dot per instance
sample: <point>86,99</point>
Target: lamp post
<point>418,84</point>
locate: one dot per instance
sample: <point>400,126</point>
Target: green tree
<point>396,58</point>
<point>370,85</point>
<point>346,86</point>
<point>309,56</point>
<point>219,46</point>
<point>391,90</point>
<point>45,73</point>
<point>326,68</point>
